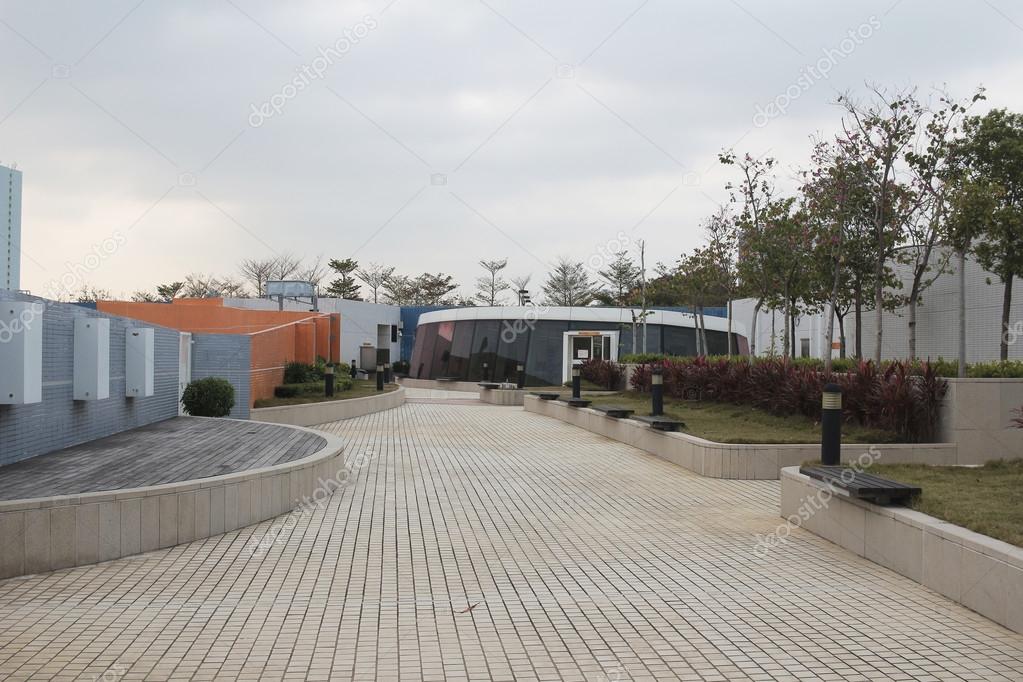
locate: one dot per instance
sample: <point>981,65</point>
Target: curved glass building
<point>475,344</point>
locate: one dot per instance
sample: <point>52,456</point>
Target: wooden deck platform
<point>179,449</point>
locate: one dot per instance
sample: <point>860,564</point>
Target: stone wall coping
<point>278,409</point>
<point>331,448</point>
<point>983,544</point>
<point>333,410</point>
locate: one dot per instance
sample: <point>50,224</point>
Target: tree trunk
<point>792,323</point>
<point>703,331</point>
<point>696,330</point>
<point>831,317</point>
<point>879,309</point>
<point>859,323</point>
<point>729,312</point>
<point>753,328</point>
<point>841,336</point>
<point>962,314</point>
<point>914,296</point>
<point>1006,310</point>
<point>785,334</point>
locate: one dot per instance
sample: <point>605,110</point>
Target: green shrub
<point>286,391</point>
<point>299,373</point>
<point>209,397</point>
<point>1007,369</point>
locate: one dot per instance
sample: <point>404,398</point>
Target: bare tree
<point>312,272</point>
<point>375,276</point>
<point>521,284</point>
<point>258,271</point>
<point>490,286</point>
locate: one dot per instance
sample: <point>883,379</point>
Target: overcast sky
<point>173,137</point>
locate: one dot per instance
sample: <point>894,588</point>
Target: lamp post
<point>521,380</point>
<point>328,379</point>
<point>831,425</point>
<point>657,391</point>
<point>380,377</point>
<point>576,380</point>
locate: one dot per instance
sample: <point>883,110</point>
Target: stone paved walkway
<point>479,542</point>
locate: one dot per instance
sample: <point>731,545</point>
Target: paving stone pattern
<point>480,542</point>
<point>179,449</point>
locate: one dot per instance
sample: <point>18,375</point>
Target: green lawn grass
<point>725,423</point>
<point>987,500</point>
<point>360,389</point>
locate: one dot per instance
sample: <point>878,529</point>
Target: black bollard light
<point>577,380</point>
<point>328,379</point>
<point>831,425</point>
<point>486,372</point>
<point>387,372</point>
<point>657,391</point>
<point>354,371</point>
<point>521,369</point>
<point>380,377</point>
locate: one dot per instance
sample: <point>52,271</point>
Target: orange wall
<point>278,337</point>
<point>209,315</point>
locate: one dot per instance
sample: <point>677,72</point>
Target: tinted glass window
<point>484,348</point>
<point>442,349</point>
<point>513,342</point>
<point>546,352</point>
<point>461,348</point>
<point>680,341</point>
<point>426,337</point>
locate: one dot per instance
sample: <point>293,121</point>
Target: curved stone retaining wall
<point>433,384</point>
<point>44,534</point>
<point>311,414</point>
<point>725,460</point>
<point>502,396</point>
<point>977,571</point>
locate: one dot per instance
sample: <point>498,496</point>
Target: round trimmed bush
<point>209,397</point>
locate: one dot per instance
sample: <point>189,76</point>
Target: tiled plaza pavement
<point>487,543</point>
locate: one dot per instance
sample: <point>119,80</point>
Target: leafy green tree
<point>168,292</point>
<point>620,279</point>
<point>759,205</point>
<point>345,285</point>
<point>568,284</point>
<point>993,151</point>
<point>878,134</point>
<point>430,289</point>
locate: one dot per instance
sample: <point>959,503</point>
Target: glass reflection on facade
<point>459,349</point>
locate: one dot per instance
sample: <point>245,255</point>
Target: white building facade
<point>363,324</point>
<point>937,332</point>
<point>10,228</point>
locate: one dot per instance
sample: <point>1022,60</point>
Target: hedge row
<point>1008,369</point>
<point>897,397</point>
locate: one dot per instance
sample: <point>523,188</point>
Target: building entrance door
<point>581,346</point>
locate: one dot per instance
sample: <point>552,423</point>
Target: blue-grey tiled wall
<point>58,421</point>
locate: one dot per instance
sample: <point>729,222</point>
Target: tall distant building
<point>10,228</point>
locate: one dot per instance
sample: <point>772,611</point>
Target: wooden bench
<point>578,402</point>
<point>488,385</point>
<point>447,379</point>
<point>546,396</point>
<point>661,423</point>
<point>615,411</point>
<point>861,485</point>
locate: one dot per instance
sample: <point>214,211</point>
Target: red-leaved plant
<point>897,399</point>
